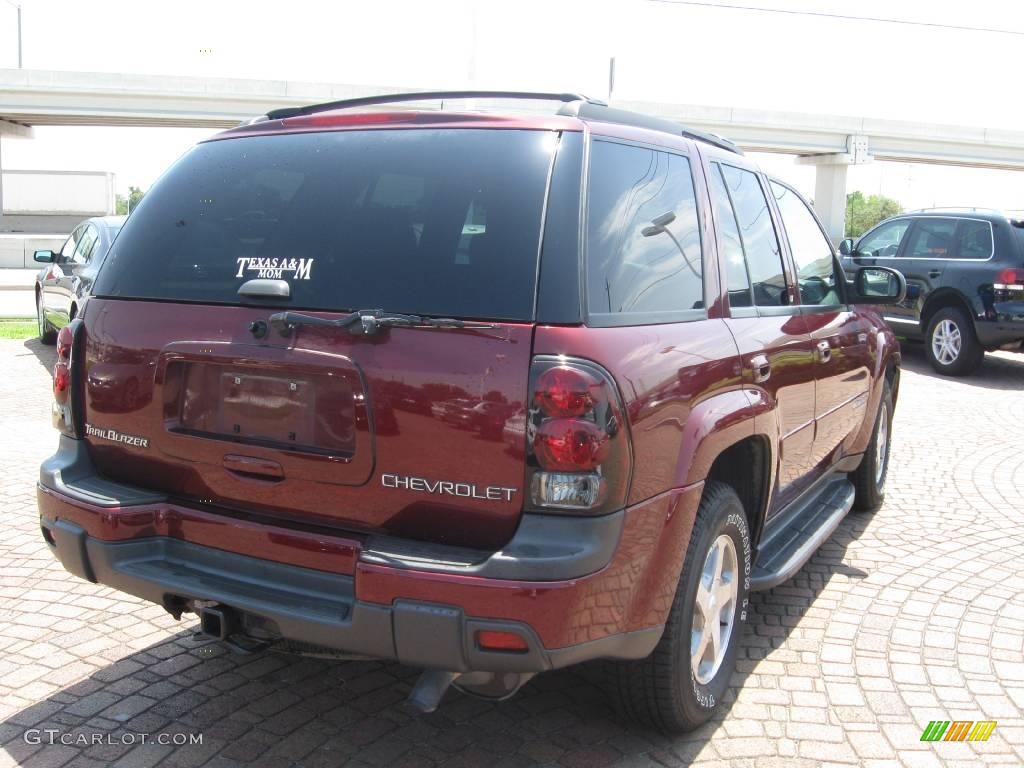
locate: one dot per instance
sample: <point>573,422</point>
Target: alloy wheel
<point>714,615</point>
<point>946,342</point>
<point>881,445</point>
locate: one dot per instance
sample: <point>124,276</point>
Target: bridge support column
<point>830,199</point>
<point>830,183</point>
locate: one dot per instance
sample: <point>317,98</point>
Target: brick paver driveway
<point>910,615</point>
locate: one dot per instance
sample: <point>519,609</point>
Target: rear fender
<point>720,422</point>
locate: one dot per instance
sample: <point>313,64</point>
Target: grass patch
<point>18,329</point>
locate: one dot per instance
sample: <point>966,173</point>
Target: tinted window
<point>812,252</point>
<point>68,249</point>
<point>884,241</point>
<point>86,245</point>
<point>738,282</point>
<point>764,259</point>
<point>643,238</point>
<point>974,240</point>
<point>437,222</point>
<point>931,239</point>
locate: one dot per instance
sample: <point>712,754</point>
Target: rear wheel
<point>47,334</point>
<point>950,343</point>
<point>869,478</point>
<point>681,683</point>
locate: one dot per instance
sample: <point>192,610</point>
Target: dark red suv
<point>486,393</point>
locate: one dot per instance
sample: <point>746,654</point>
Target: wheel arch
<point>746,466</point>
<point>942,298</point>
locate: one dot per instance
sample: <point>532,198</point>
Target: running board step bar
<point>790,544</point>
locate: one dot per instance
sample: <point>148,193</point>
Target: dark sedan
<point>67,278</point>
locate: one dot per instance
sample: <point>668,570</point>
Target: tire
<point>950,343</point>
<point>869,478</point>
<point>47,334</point>
<point>663,691</point>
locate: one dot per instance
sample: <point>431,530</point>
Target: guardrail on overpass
<point>42,97</point>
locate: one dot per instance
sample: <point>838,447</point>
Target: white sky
<point>664,52</point>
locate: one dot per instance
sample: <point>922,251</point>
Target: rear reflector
<point>509,642</point>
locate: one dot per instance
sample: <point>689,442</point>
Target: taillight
<point>64,405</point>
<point>578,452</point>
<point>1009,280</point>
<point>64,339</point>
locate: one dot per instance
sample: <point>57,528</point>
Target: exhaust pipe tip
<point>430,688</point>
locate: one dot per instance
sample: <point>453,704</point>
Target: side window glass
<point>974,240</point>
<point>812,252</point>
<point>761,246</point>
<point>884,241</point>
<point>68,250</point>
<point>931,239</point>
<point>643,236</point>
<point>85,245</point>
<point>737,279</point>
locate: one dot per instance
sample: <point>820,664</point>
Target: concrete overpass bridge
<point>830,142</point>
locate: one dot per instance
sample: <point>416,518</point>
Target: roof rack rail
<point>574,105</point>
<point>595,110</point>
<point>960,208</point>
<point>394,98</point>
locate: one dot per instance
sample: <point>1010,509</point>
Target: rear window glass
<point>435,222</point>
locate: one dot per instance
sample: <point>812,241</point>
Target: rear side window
<point>732,246</point>
<point>764,257</point>
<point>643,235</point>
<point>436,222</point>
<point>931,239</point>
<point>974,240</point>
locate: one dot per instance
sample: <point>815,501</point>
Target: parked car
<point>705,396</point>
<point>965,281</point>
<point>68,275</point>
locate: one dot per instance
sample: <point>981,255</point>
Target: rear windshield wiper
<point>367,322</point>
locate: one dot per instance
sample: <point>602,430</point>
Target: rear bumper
<point>572,588</point>
<point>273,600</point>
<point>1005,326</point>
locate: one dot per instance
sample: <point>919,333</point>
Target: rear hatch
<point>194,389</point>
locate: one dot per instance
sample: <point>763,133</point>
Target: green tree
<point>127,204</point>
<point>862,213</point>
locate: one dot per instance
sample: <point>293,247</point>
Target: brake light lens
<point>1009,280</point>
<point>565,391</point>
<point>578,452</point>
<point>570,445</point>
<point>64,339</point>
<point>61,382</point>
<point>63,411</point>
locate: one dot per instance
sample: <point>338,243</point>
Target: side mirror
<point>44,257</point>
<point>846,247</point>
<point>878,285</point>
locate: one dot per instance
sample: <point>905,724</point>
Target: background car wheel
<point>47,334</point>
<point>869,478</point>
<point>950,343</point>
<point>682,682</point>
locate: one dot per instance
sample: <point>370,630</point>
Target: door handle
<point>824,351</point>
<point>934,273</point>
<point>253,468</point>
<point>761,367</point>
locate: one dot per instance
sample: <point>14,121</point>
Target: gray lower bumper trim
<point>317,607</point>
